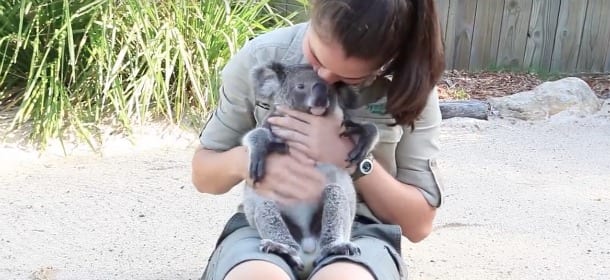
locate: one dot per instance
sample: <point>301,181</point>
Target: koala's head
<point>295,86</point>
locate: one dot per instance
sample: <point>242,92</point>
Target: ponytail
<point>418,65</point>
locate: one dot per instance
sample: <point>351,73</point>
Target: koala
<point>304,233</point>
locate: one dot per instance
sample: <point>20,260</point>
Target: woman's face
<point>328,59</point>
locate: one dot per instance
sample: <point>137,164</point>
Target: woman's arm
<point>217,172</point>
<point>410,198</point>
<point>288,177</point>
<point>395,202</point>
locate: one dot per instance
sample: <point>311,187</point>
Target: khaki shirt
<point>409,156</point>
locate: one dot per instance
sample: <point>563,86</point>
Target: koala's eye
<point>300,86</point>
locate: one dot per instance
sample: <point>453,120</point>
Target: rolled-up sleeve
<point>233,115</point>
<point>417,152</point>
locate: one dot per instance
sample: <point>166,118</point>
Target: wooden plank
<point>449,45</point>
<point>459,32</point>
<point>486,34</point>
<point>465,27</point>
<point>595,38</point>
<point>442,9</point>
<point>569,32</point>
<point>541,35</point>
<point>607,68</point>
<point>513,36</point>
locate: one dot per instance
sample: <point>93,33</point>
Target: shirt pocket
<point>261,111</point>
<point>385,151</point>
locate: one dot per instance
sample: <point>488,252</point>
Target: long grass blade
<point>70,66</point>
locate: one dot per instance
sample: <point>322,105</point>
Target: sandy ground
<point>522,201</point>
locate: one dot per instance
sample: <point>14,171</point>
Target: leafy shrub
<point>73,64</point>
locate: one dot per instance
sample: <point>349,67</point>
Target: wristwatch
<point>364,167</point>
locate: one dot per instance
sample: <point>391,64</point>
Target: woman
<point>360,43</point>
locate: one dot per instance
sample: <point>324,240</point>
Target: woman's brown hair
<point>404,35</point>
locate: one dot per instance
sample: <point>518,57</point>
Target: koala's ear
<point>267,79</point>
<point>348,98</point>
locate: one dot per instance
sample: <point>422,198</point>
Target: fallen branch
<point>465,109</point>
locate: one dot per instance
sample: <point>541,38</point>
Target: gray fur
<point>307,232</point>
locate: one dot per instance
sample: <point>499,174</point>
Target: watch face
<point>366,166</point>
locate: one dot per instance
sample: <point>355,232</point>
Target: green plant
<point>72,65</point>
<point>297,10</point>
<point>460,94</point>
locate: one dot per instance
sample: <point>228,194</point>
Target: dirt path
<point>523,201</point>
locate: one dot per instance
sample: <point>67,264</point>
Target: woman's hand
<point>290,178</point>
<point>316,137</point>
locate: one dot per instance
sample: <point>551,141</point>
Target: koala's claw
<point>278,147</point>
<point>257,160</point>
<point>360,149</point>
<point>256,169</point>
<point>341,248</point>
<point>291,254</point>
<point>357,154</point>
<point>352,128</point>
<point>350,124</point>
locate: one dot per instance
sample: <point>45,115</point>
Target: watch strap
<point>361,170</point>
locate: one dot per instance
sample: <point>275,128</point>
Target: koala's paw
<point>365,136</point>
<point>357,154</point>
<point>256,168</point>
<point>278,147</point>
<point>351,128</point>
<point>339,248</point>
<point>289,253</point>
<point>361,147</point>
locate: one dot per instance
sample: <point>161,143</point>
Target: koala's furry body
<point>304,233</point>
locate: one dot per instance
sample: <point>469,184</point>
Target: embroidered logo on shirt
<point>377,108</point>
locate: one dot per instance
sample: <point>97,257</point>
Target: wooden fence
<point>558,36</point>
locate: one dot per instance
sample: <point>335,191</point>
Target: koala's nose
<point>320,95</point>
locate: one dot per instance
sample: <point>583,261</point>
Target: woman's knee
<point>256,269</point>
<point>343,270</point>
